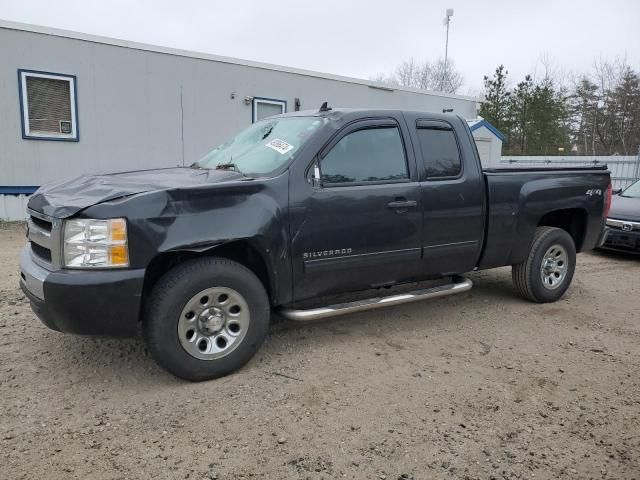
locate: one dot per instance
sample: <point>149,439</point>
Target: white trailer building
<point>72,103</point>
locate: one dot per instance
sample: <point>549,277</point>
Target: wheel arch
<point>243,251</point>
<point>571,220</point>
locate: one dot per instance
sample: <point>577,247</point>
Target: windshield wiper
<point>196,165</point>
<point>267,132</point>
<point>234,168</point>
<point>228,166</point>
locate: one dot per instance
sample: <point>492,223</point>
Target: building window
<point>266,107</point>
<point>48,106</point>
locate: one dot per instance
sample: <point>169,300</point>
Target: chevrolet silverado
<point>294,211</point>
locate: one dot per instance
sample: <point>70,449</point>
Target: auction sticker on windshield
<point>279,146</point>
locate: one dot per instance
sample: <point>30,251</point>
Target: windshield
<point>264,146</point>
<point>632,190</point>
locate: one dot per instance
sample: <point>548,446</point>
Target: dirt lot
<point>481,385</point>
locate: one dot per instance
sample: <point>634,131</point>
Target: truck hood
<point>67,197</point>
<point>625,208</point>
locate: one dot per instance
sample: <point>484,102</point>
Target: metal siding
<point>624,169</point>
<point>130,106</point>
<point>13,207</point>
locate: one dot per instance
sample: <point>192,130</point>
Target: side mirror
<point>315,176</point>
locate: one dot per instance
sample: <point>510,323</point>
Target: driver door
<point>361,227</point>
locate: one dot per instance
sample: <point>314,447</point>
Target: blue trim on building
<point>253,106</point>
<point>17,190</point>
<point>491,128</point>
<point>75,101</point>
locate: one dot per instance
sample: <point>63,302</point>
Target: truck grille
<point>624,225</point>
<point>43,224</point>
<point>44,238</point>
<point>41,252</point>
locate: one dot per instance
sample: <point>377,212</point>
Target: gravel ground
<point>480,385</point>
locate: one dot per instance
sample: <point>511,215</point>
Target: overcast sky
<point>361,38</point>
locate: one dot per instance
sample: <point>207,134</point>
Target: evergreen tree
<point>627,116</point>
<point>496,108</point>
<point>583,111</point>
<point>521,99</point>
<point>605,111</point>
<point>548,131</point>
<point>599,116</point>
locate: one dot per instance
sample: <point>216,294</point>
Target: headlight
<point>95,243</point>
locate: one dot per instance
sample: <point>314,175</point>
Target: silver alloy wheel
<point>213,323</point>
<point>554,267</point>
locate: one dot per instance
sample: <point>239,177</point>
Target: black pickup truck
<point>297,207</point>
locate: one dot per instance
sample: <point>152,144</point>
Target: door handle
<point>402,204</point>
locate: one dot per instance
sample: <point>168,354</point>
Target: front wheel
<point>206,318</point>
<point>547,272</point>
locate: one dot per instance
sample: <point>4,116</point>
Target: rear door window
<point>440,152</point>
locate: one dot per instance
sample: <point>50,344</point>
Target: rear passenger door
<point>452,194</point>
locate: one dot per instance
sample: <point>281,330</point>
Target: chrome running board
<point>458,285</point>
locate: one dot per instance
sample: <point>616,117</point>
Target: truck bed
<point>517,200</point>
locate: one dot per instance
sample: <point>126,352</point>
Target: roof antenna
<point>324,107</point>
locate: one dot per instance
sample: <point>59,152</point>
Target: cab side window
<point>368,155</point>
<point>439,152</point>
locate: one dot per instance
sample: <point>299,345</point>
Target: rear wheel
<point>547,272</point>
<point>206,318</point>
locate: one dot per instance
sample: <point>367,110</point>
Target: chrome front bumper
<point>32,275</point>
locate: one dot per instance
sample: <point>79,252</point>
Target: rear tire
<point>206,318</point>
<point>547,272</point>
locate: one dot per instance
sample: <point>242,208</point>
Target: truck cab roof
<point>355,113</point>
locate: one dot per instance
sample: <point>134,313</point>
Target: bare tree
<point>383,78</point>
<point>445,76</point>
<point>550,70</point>
<point>436,76</point>
<point>408,74</point>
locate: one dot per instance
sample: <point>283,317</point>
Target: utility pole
<point>446,21</point>
<point>636,174</point>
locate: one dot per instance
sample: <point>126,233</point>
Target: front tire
<point>547,272</point>
<point>206,318</point>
